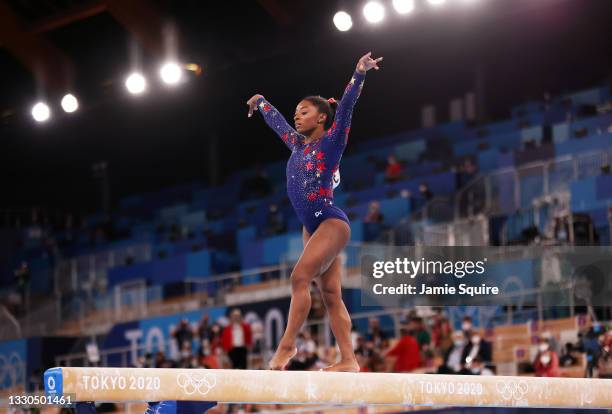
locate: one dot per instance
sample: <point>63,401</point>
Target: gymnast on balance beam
<point>316,144</point>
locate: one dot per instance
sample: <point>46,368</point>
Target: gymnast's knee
<point>331,298</point>
<point>300,281</point>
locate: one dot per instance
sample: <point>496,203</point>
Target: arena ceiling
<point>284,49</point>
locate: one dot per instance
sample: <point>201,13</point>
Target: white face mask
<point>545,359</point>
<point>466,326</point>
<point>475,339</point>
<point>543,347</point>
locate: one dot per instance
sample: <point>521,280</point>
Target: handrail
<point>545,165</point>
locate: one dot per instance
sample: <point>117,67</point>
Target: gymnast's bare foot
<point>349,365</point>
<point>281,357</point>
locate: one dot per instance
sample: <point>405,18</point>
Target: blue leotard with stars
<point>311,167</point>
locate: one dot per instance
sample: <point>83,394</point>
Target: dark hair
<point>324,107</point>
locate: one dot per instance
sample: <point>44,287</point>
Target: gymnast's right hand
<point>252,103</point>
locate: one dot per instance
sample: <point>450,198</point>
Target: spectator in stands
<point>405,352</point>
<point>161,361</point>
<point>22,280</point>
<point>592,345</point>
<point>185,359</point>
<point>393,172</point>
<point>215,340</point>
<point>258,186</point>
<point>467,170</point>
<point>374,215</point>
<point>376,335</point>
<point>554,345</point>
<point>363,353</point>
<point>204,331</point>
<point>441,334</point>
<point>237,340</point>
<point>608,340</point>
<point>206,358</point>
<point>276,221</point>
<point>145,361</point>
<point>425,191</point>
<point>417,327</point>
<point>454,357</point>
<point>477,347</point>
<point>306,356</point>
<point>546,363</point>
<point>257,332</point>
<point>376,362</point>
<point>466,326</point>
<point>478,367</point>
<point>183,335</point>
<point>570,355</point>
<point>561,229</point>
<point>605,362</point>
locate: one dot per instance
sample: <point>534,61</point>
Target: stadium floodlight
<point>343,21</point>
<point>41,112</point>
<point>403,6</point>
<point>436,2</point>
<point>171,73</point>
<point>70,103</point>
<point>374,12</point>
<point>136,83</point>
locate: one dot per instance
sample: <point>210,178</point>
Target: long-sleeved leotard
<point>311,167</point>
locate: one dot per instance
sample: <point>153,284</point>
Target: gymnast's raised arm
<point>344,113</point>
<point>274,119</point>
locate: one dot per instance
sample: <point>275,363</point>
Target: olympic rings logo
<point>512,390</point>
<point>200,383</point>
<point>11,370</point>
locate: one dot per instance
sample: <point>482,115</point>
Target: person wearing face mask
<point>453,359</point>
<point>207,358</point>
<point>478,367</point>
<point>476,348</point>
<point>546,363</point>
<point>466,326</point>
<point>552,342</point>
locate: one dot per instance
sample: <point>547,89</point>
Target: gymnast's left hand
<point>366,63</point>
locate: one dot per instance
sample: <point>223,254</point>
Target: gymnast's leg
<point>319,253</point>
<point>330,286</point>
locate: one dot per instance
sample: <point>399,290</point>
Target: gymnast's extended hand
<point>252,103</point>
<point>366,63</point>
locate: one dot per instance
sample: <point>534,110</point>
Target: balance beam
<point>315,387</point>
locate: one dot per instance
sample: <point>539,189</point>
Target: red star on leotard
<point>306,150</point>
<point>285,137</point>
<point>312,197</point>
<point>267,107</point>
<point>309,166</point>
<point>320,155</point>
<point>320,166</point>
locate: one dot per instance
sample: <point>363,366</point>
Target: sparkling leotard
<point>311,167</point>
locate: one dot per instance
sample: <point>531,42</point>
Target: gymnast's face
<point>307,117</point>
